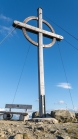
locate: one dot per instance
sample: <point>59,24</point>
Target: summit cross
<point>24,26</point>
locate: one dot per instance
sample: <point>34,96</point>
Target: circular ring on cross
<point>33,42</point>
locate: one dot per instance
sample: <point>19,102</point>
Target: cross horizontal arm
<point>37,30</point>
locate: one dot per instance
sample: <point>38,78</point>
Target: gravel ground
<point>37,130</point>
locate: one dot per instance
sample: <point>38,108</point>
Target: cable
<point>66,32</point>
<point>65,75</point>
<point>62,28</point>
<point>21,74</point>
<point>7,35</point>
<point>71,44</point>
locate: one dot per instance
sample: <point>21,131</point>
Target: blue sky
<point>14,49</point>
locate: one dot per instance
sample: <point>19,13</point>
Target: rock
<point>23,118</point>
<point>53,121</point>
<point>26,118</point>
<point>2,138</point>
<point>63,116</point>
<point>18,136</point>
<point>67,137</point>
<point>53,131</point>
<point>76,115</point>
<point>45,120</point>
<point>35,114</point>
<point>63,137</point>
<point>9,130</point>
<point>41,128</point>
<point>31,127</point>
<point>17,125</point>
<point>25,136</point>
<point>2,134</point>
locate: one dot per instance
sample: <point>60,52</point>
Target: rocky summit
<point>37,128</point>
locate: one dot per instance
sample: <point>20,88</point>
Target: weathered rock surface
<point>48,120</point>
<point>35,114</point>
<point>76,115</point>
<point>18,136</point>
<point>42,128</point>
<point>37,130</point>
<point>63,116</point>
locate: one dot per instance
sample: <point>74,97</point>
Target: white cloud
<point>64,85</point>
<point>60,102</point>
<point>5,18</point>
<point>5,30</point>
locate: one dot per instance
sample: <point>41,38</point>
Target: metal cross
<point>24,26</point>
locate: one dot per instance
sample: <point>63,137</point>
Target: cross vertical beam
<point>41,67</point>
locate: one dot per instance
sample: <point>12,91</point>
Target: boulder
<point>76,115</point>
<point>23,118</point>
<point>18,136</point>
<point>26,118</point>
<point>35,114</point>
<point>63,116</point>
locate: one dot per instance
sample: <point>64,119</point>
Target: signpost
<point>24,26</point>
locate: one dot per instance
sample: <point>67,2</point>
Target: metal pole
<point>41,67</point>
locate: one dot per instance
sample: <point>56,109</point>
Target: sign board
<point>18,106</point>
